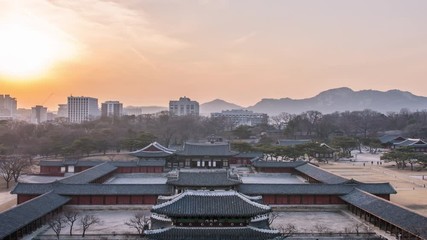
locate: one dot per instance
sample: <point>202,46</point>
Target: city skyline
<point>148,52</point>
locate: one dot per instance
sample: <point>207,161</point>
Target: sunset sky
<point>146,52</point>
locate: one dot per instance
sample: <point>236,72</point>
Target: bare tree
<point>20,165</point>
<point>288,229</point>
<point>88,220</point>
<point>11,167</point>
<point>139,222</point>
<point>272,217</point>
<point>321,228</point>
<point>360,227</point>
<point>280,121</point>
<point>71,217</point>
<point>57,223</point>
<point>6,170</point>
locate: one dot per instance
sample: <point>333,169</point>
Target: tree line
<point>133,132</point>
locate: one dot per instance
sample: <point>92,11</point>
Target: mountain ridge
<point>344,99</point>
<point>328,101</point>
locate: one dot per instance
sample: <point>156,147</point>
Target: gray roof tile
<point>210,203</point>
<point>93,189</point>
<point>206,149</point>
<point>216,233</point>
<point>203,178</point>
<point>278,164</point>
<point>319,174</point>
<point>25,213</point>
<point>314,189</point>
<point>154,150</point>
<point>90,174</point>
<point>388,211</point>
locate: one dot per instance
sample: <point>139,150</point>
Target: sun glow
<point>29,47</point>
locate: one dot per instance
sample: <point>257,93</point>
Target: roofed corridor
<point>138,178</point>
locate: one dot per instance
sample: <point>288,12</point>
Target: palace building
<point>222,214</point>
<point>195,193</point>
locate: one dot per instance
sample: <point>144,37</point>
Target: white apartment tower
<point>183,107</point>
<point>8,106</point>
<point>112,109</point>
<point>239,117</point>
<point>38,114</point>
<point>82,109</point>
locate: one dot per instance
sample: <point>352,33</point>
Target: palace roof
<point>206,149</point>
<point>204,178</point>
<point>90,174</point>
<point>154,150</point>
<point>277,164</point>
<point>92,189</point>
<point>388,211</point>
<point>306,168</point>
<point>319,174</point>
<point>212,233</point>
<point>391,138</point>
<point>411,142</point>
<point>25,213</point>
<point>211,204</point>
<point>314,189</point>
<point>91,163</point>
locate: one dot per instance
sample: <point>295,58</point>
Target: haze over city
<point>148,52</point>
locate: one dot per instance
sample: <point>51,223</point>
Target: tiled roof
<point>374,188</point>
<point>314,189</point>
<point>389,212</point>
<point>164,189</point>
<point>90,174</point>
<point>390,138</point>
<point>25,213</point>
<point>319,174</point>
<point>214,233</point>
<point>411,142</point>
<point>277,164</point>
<point>292,142</point>
<point>211,203</point>
<point>206,149</point>
<point>204,178</point>
<point>93,189</point>
<point>154,150</point>
<point>91,163</point>
<point>33,188</point>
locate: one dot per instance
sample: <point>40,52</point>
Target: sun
<point>29,47</point>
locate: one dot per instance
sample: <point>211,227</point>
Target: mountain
<point>344,99</point>
<point>217,105</point>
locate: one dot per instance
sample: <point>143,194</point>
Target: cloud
<point>243,39</point>
<point>108,26</point>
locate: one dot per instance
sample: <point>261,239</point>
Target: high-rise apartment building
<point>38,114</point>
<point>82,109</point>
<point>62,111</point>
<point>8,106</point>
<point>184,106</point>
<point>112,109</point>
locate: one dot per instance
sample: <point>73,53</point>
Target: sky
<point>147,52</point>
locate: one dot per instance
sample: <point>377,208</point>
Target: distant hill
<point>217,105</point>
<point>344,99</point>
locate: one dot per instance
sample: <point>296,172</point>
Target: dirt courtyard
<point>410,186</point>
